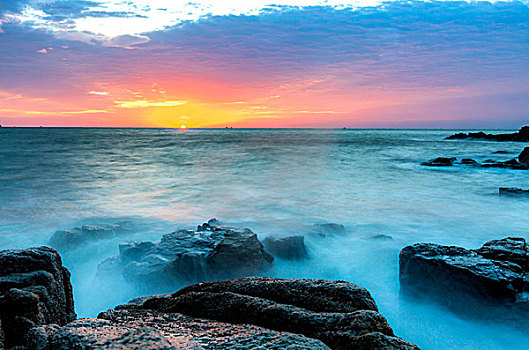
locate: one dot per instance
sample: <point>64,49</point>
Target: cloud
<point>126,41</point>
<point>44,51</point>
<point>99,93</point>
<point>145,104</point>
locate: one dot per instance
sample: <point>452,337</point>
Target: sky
<point>264,63</point>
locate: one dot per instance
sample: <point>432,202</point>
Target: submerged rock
<point>469,161</point>
<point>494,275</point>
<point>440,161</point>
<point>35,290</point>
<point>211,252</point>
<point>290,248</point>
<point>521,136</point>
<point>70,239</point>
<point>327,229</point>
<point>381,237</point>
<point>512,191</point>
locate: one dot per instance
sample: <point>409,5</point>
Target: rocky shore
<point>521,136</point>
<point>248,313</point>
<point>520,163</point>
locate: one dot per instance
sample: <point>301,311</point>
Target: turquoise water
<point>272,181</point>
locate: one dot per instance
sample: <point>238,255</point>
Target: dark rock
<point>35,290</point>
<point>341,314</point>
<point>511,191</point>
<point>509,164</point>
<point>440,161</point>
<point>469,161</point>
<point>521,136</point>
<point>501,152</point>
<point>291,247</point>
<point>211,252</point>
<point>327,229</point>
<point>524,156</point>
<point>149,329</point>
<point>70,239</point>
<point>494,275</point>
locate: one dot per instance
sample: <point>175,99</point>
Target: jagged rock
<point>524,156</point>
<point>149,329</point>
<point>290,248</point>
<point>440,161</point>
<point>66,240</point>
<point>35,289</point>
<point>511,191</point>
<point>341,314</point>
<point>469,161</point>
<point>494,275</point>
<point>211,252</point>
<point>521,136</point>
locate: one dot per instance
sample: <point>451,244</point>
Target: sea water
<point>274,181</point>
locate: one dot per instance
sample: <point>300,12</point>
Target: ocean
<point>273,181</point>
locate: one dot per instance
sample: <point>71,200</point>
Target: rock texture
<point>340,314</point>
<point>210,252</point>
<point>495,275</point>
<point>70,239</point>
<point>521,136</point>
<point>35,289</point>
<point>290,248</point>
<point>440,161</point>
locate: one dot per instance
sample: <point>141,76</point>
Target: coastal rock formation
<point>210,252</point>
<point>35,289</point>
<point>494,275</point>
<point>440,161</point>
<point>523,157</point>
<point>511,191</point>
<point>290,248</point>
<point>521,136</point>
<point>65,240</point>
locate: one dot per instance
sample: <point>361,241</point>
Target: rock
<point>35,290</point>
<point>510,164</point>
<point>524,156</point>
<point>440,161</point>
<point>381,237</point>
<point>66,240</point>
<point>340,314</point>
<point>290,248</point>
<point>469,161</point>
<point>211,252</point>
<point>501,152</point>
<point>521,136</point>
<point>512,191</point>
<point>494,275</point>
<point>149,329</point>
<point>327,229</point>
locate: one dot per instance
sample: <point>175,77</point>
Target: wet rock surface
<point>340,314</point>
<point>66,240</point>
<point>290,248</point>
<point>494,276</point>
<point>521,135</point>
<point>35,289</point>
<point>440,161</point>
<point>512,191</point>
<point>210,252</point>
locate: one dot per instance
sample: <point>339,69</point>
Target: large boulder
<point>484,280</point>
<point>512,191</point>
<point>35,289</point>
<point>340,314</point>
<point>210,252</point>
<point>66,240</point>
<point>290,247</point>
<point>521,135</point>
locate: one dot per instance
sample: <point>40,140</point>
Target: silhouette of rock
<point>521,135</point>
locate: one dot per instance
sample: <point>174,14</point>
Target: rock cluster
<point>35,289</point>
<point>520,163</point>
<point>521,135</point>
<point>290,248</point>
<point>495,275</point>
<point>66,240</point>
<point>440,161</point>
<point>210,252</point>
<point>512,191</point>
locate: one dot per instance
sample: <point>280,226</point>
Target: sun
<point>183,127</point>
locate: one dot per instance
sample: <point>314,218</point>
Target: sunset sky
<point>278,63</point>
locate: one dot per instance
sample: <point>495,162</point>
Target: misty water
<point>273,182</point>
